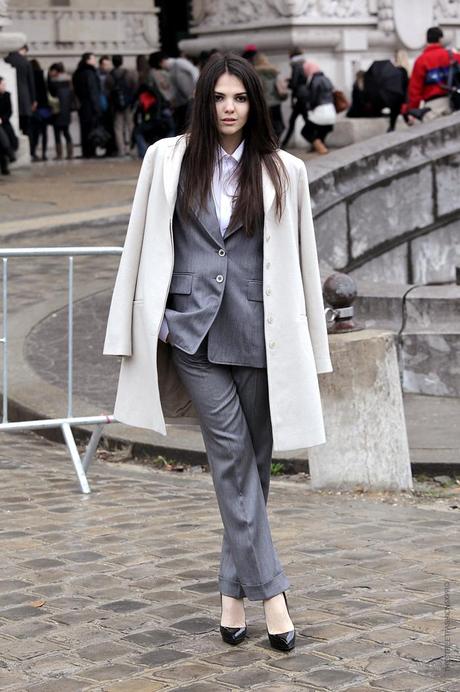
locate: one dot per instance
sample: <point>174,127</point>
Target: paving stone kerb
<point>118,590</point>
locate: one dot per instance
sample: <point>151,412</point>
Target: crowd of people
<point>121,109</point>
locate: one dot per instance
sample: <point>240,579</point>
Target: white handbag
<point>325,114</point>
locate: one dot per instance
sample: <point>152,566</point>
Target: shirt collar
<point>237,154</point>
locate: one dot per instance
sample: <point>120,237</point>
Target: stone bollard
<point>366,434</point>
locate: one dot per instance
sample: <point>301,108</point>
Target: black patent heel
<point>232,635</point>
<point>285,641</point>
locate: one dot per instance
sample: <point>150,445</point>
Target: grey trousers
<point>232,405</point>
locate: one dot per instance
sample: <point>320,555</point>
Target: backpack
<point>453,82</point>
<point>121,93</point>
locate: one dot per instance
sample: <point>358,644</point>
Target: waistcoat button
<point>270,319</point>
<point>219,278</point>
<point>272,344</point>
<point>268,265</point>
<point>222,253</point>
<point>268,291</point>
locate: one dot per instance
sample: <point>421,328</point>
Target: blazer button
<point>270,319</point>
<point>272,344</point>
<point>267,237</point>
<point>222,253</point>
<point>219,278</point>
<point>268,291</point>
<point>268,265</point>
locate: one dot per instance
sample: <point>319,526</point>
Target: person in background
<point>6,111</point>
<point>152,116</point>
<point>26,87</point>
<point>8,139</point>
<point>428,81</point>
<point>142,69</point>
<point>120,87</point>
<point>103,71</point>
<point>249,52</point>
<point>158,71</point>
<point>184,75</point>
<point>204,57</point>
<point>275,90</point>
<point>297,85</point>
<point>61,93</point>
<point>42,115</point>
<point>321,113</point>
<point>87,89</point>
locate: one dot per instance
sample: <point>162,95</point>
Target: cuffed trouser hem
<point>254,592</point>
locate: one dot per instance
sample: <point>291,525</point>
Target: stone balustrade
<point>387,211</point>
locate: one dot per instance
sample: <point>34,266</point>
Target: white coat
<point>149,392</point>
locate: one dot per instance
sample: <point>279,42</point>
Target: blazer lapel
<point>207,216</point>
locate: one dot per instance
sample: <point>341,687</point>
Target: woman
<point>321,113</point>
<point>275,90</point>
<point>60,89</point>
<point>217,311</point>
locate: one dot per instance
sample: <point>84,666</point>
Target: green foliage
<point>277,469</point>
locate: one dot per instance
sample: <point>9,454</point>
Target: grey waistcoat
<point>216,289</point>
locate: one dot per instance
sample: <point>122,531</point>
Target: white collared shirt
<point>224,184</point>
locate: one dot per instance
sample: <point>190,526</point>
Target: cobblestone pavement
<point>116,590</point>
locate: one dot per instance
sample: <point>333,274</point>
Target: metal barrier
<point>81,464</point>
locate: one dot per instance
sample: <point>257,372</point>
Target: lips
<point>228,121</point>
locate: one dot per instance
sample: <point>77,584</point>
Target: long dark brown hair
<point>260,144</point>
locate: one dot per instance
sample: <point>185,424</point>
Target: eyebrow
<point>241,93</point>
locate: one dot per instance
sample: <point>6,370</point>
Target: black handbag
<point>99,137</point>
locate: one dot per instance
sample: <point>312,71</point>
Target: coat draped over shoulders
<point>150,393</point>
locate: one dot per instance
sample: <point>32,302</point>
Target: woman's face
<point>232,104</point>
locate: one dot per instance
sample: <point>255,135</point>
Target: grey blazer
<point>216,289</point>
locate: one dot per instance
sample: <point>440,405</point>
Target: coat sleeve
<point>311,279</point>
<point>118,339</point>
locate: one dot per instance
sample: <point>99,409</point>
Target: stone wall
<point>387,211</point>
<point>389,208</point>
<point>67,32</point>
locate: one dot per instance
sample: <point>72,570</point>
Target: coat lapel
<point>268,190</point>
<point>171,169</point>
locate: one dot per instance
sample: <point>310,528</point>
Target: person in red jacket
<point>430,72</point>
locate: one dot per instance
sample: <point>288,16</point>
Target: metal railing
<point>80,464</point>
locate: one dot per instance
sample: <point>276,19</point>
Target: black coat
<point>319,91</point>
<point>61,88</point>
<point>26,83</point>
<point>87,89</point>
<point>5,115</point>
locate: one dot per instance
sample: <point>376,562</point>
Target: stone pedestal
<point>364,417</point>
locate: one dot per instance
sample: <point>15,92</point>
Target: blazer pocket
<point>181,284</point>
<point>255,291</point>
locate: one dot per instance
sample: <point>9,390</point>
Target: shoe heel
<point>232,635</point>
<point>286,640</point>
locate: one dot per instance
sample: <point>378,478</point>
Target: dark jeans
<point>297,109</point>
<point>88,150</point>
<point>38,130</point>
<point>311,131</point>
<point>277,119</point>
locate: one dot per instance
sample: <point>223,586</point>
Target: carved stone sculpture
<point>292,8</point>
<point>3,8</point>
<point>446,9</point>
